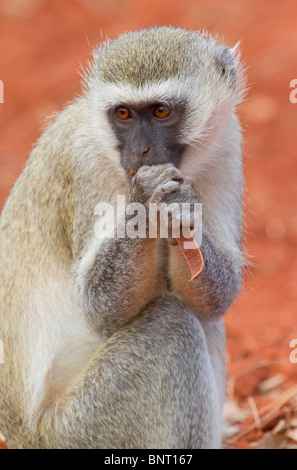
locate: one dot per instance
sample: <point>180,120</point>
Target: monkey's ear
<point>226,62</point>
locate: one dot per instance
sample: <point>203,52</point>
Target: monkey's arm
<point>116,277</point>
<point>115,280</point>
<point>213,291</point>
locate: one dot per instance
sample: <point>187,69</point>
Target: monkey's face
<point>161,95</point>
<point>148,134</point>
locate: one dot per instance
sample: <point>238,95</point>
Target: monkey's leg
<point>150,386</point>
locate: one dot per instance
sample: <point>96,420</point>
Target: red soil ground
<point>42,43</point>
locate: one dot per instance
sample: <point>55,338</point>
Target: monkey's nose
<point>146,150</point>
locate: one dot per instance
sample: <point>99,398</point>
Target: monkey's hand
<point>175,198</point>
<point>152,184</point>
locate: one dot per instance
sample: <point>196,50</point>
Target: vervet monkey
<point>106,342</point>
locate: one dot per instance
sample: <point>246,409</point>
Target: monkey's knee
<point>180,374</point>
<point>150,386</point>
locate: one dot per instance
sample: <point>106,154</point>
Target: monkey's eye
<point>123,113</point>
<point>160,111</point>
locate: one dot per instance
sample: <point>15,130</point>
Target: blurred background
<point>43,43</point>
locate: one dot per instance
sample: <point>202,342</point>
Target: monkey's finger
<point>165,192</point>
<point>169,173</point>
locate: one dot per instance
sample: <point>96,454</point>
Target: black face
<point>148,134</point>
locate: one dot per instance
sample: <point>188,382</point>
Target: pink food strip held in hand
<point>193,257</point>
